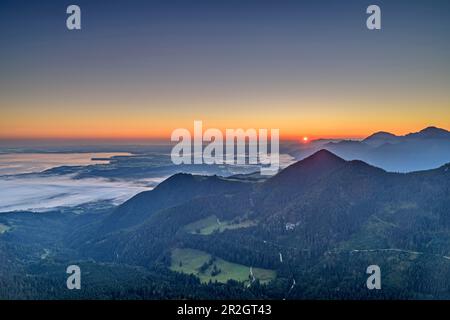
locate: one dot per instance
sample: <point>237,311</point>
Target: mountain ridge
<point>320,176</point>
<point>426,149</point>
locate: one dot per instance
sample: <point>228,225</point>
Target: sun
<point>305,139</point>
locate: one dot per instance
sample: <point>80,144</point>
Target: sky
<point>140,69</point>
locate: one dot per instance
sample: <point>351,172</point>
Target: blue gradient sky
<point>144,68</point>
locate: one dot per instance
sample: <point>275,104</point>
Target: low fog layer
<point>22,188</point>
<point>42,193</point>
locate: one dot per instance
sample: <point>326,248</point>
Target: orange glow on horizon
<point>74,125</point>
<point>162,135</point>
<point>161,132</point>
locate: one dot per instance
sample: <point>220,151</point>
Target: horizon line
<point>166,138</point>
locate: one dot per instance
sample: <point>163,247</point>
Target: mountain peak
<point>430,132</point>
<point>323,155</point>
<point>379,138</point>
<point>381,134</point>
<point>433,130</point>
<point>321,162</point>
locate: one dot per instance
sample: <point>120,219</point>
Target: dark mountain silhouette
<point>175,190</point>
<point>301,172</point>
<point>319,205</point>
<point>321,222</point>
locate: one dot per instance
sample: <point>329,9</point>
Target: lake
<point>17,163</point>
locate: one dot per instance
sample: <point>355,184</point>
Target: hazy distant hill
<point>426,149</point>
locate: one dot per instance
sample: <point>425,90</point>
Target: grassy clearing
<point>190,261</point>
<point>212,224</point>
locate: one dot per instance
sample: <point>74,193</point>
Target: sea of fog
<point>20,190</point>
<point>24,186</point>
